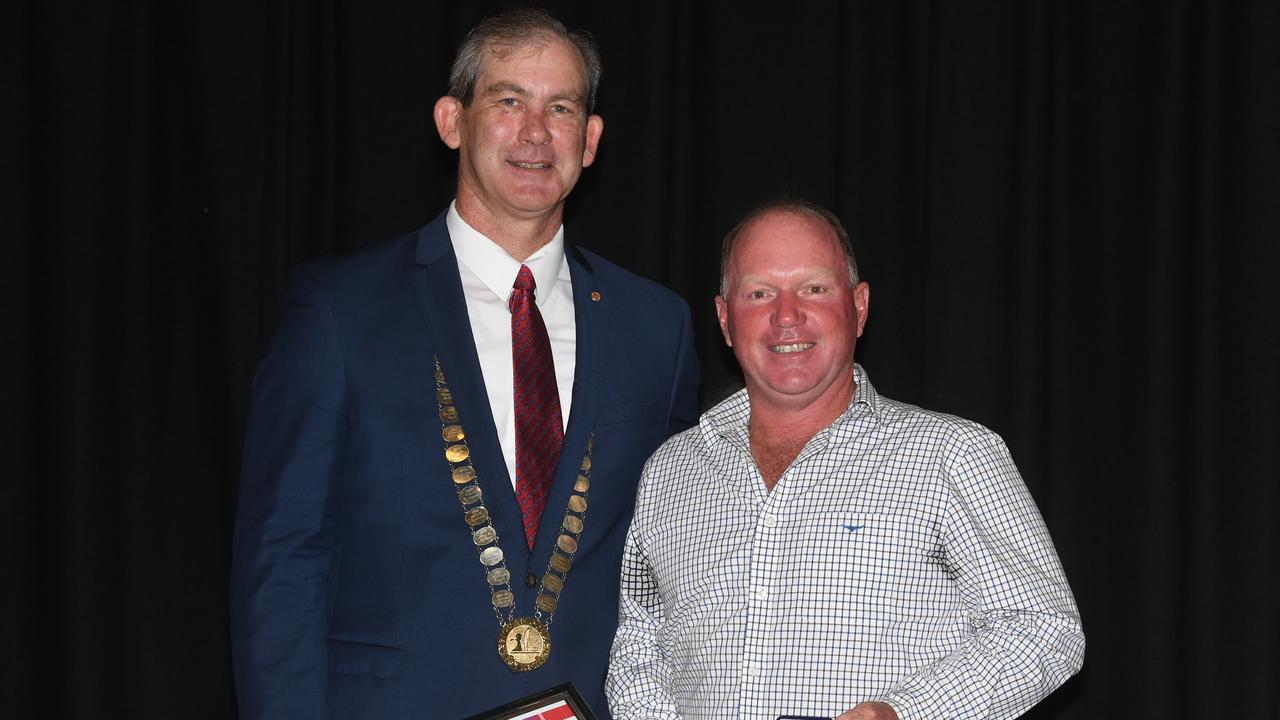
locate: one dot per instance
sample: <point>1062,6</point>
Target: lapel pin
<point>595,296</point>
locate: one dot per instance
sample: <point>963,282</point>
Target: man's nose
<point>535,129</point>
<point>786,311</point>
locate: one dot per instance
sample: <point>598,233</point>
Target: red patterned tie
<point>539,432</point>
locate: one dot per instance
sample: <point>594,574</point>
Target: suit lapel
<point>440,296</point>
<point>582,414</point>
<point>439,291</point>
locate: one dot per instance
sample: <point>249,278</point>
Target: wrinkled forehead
<point>505,51</point>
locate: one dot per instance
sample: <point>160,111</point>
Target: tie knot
<point>524,280</point>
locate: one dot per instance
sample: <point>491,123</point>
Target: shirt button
<point>769,520</point>
<point>760,594</point>
<point>530,580</point>
<point>751,669</point>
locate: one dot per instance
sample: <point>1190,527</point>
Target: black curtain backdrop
<point>1069,213</point>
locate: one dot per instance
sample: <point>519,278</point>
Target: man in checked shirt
<point>814,549</point>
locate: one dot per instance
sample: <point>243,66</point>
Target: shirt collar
<point>866,395</point>
<point>496,268</point>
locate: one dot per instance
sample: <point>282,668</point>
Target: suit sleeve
<point>684,391</point>
<point>284,539</point>
<point>1025,634</point>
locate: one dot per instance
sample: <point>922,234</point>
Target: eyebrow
<point>502,87</point>
<point>810,274</point>
<point>506,87</point>
<point>570,96</point>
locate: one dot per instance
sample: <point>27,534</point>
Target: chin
<point>791,387</point>
<point>534,202</point>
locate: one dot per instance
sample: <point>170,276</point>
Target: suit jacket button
<point>530,580</point>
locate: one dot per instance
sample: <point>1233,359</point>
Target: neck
<point>520,236</point>
<point>778,431</point>
<point>777,428</point>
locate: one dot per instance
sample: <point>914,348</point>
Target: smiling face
<point>791,315</point>
<point>525,137</point>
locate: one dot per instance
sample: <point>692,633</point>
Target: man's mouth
<point>790,348</point>
<point>530,165</point>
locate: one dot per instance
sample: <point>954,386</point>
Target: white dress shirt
<point>900,558</point>
<point>487,273</point>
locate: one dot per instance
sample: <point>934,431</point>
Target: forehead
<point>545,60</point>
<point>784,241</point>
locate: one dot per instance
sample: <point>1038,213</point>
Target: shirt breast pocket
<point>881,562</point>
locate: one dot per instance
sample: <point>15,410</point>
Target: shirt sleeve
<point>639,675</point>
<point>1025,637</point>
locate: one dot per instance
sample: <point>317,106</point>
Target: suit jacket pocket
<point>362,659</point>
<point>633,412</point>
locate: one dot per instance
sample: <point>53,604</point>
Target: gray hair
<point>788,206</point>
<point>503,34</point>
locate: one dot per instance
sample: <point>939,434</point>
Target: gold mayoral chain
<point>523,642</point>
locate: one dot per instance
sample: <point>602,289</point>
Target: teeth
<point>531,166</point>
<point>792,348</point>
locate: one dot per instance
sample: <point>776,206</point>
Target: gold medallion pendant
<point>524,644</point>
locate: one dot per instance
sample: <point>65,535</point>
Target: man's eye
<point>816,289</point>
<point>756,294</point>
<point>560,109</point>
<point>508,102</point>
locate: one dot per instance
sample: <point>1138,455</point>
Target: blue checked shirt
<point>900,558</point>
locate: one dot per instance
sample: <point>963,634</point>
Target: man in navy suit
<point>390,559</point>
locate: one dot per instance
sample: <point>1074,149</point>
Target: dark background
<point>1069,213</point>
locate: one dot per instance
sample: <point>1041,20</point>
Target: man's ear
<point>595,128</point>
<point>447,111</point>
<point>862,303</point>
<point>722,313</point>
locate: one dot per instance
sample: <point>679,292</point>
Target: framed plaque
<point>558,703</point>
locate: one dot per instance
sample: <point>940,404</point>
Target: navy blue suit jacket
<point>356,591</point>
